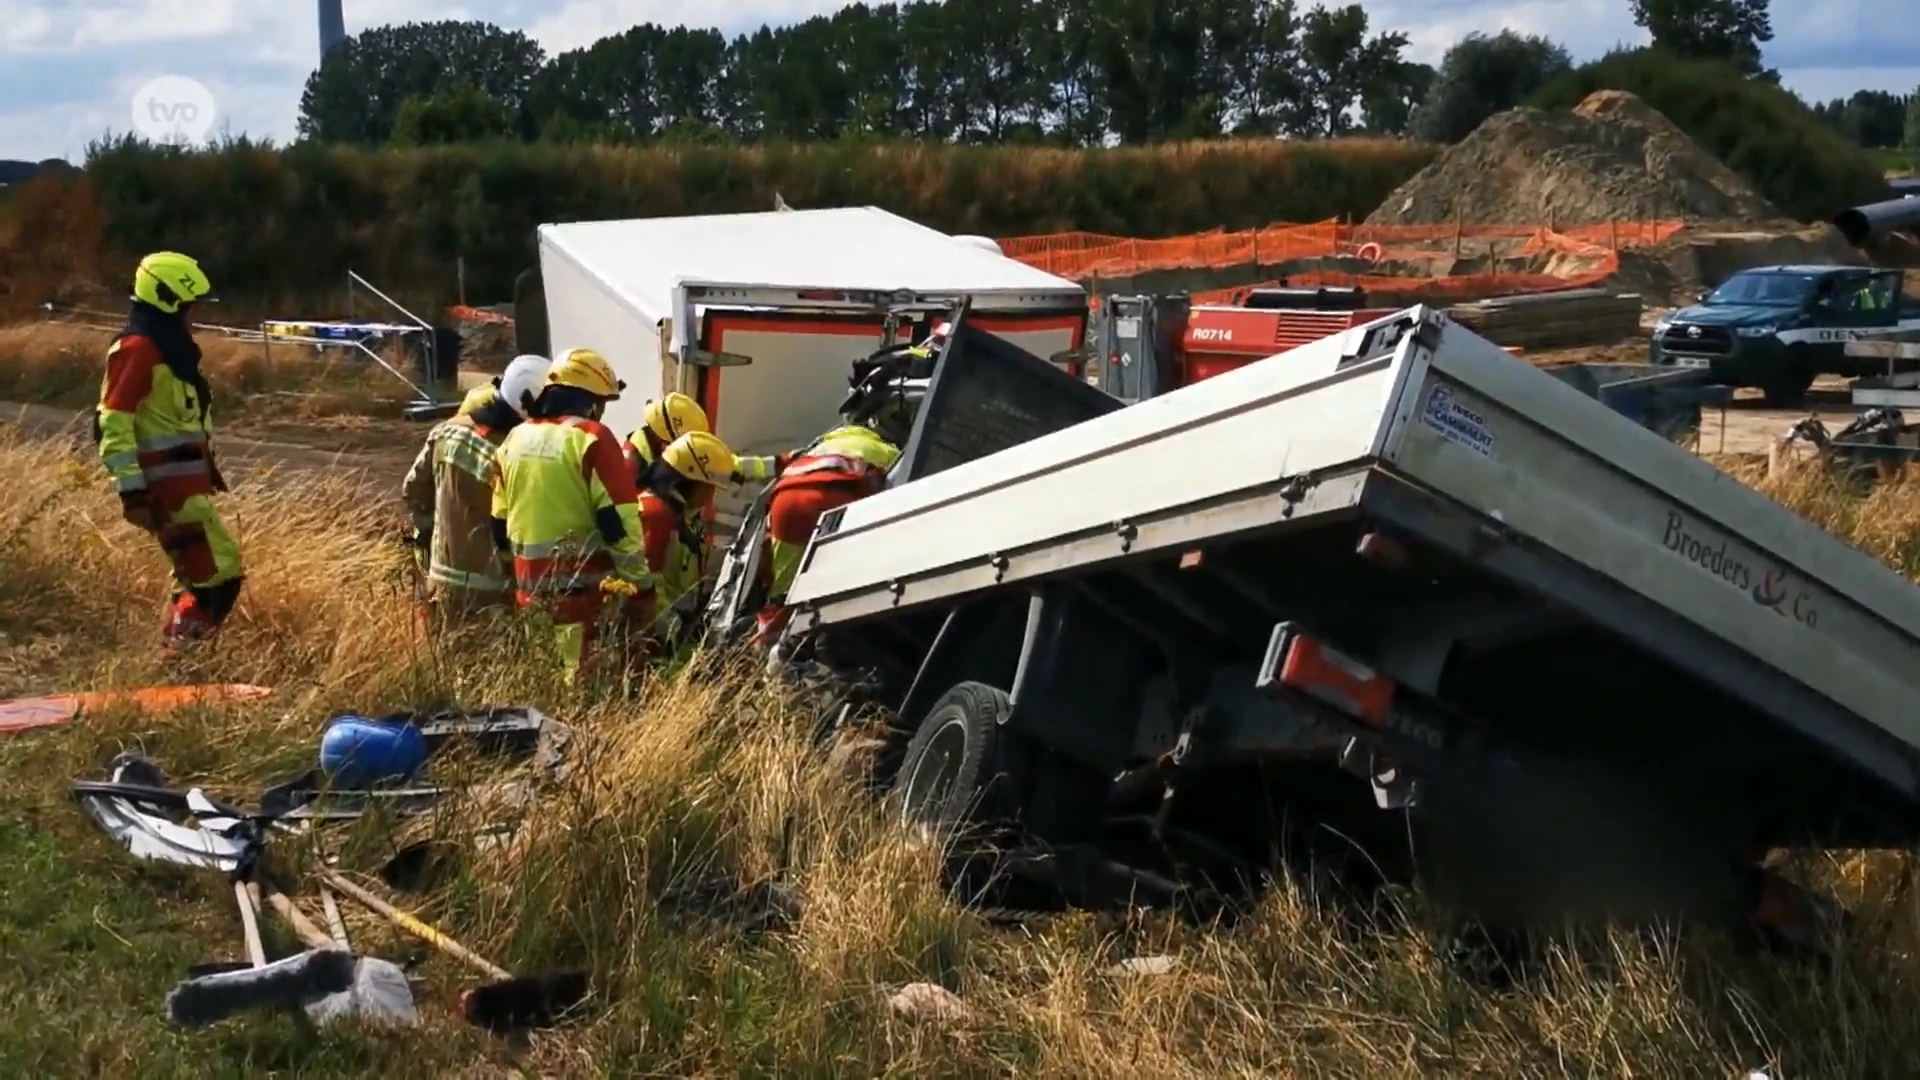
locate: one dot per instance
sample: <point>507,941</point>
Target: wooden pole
<point>1613,233</point>
<point>1459,231</point>
<point>460,276</point>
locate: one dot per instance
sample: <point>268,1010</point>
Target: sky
<point>69,68</point>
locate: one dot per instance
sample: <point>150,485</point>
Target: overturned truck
<point>1397,601</point>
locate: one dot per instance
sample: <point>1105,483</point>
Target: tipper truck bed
<point>1397,572</point>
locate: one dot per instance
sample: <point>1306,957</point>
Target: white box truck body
<point>803,294</point>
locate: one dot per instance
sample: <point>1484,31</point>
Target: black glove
<point>219,482</point>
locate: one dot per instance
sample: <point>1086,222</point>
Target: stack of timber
<point>1555,320</point>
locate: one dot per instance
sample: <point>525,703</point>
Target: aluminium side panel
<point>1310,411</point>
<point>1563,471</point>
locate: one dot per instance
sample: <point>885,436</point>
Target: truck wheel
<point>962,765</point>
<point>1788,386</point>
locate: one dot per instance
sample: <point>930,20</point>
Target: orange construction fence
<point>1592,251</point>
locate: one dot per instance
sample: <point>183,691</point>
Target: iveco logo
<point>1693,331</point>
<point>1212,333</point>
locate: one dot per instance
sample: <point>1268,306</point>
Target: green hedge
<point>1766,134</point>
<point>281,223</point>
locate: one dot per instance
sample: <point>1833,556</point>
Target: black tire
<point>1001,799</point>
<point>961,766</point>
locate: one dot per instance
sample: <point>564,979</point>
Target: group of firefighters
<point>524,499</point>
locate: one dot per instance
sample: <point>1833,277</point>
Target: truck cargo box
<point>1525,483</point>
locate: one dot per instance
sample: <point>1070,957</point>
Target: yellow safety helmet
<point>169,281</point>
<point>700,456</point>
<point>584,369</point>
<point>478,398</point>
<point>675,415</point>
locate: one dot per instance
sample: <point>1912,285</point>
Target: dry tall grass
<point>688,792</point>
<point>60,363</point>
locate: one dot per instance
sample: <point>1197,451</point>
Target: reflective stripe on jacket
<point>553,479</point>
<point>152,434</point>
<point>449,492</point>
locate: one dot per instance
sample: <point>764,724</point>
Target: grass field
<point>1897,161</point>
<point>694,781</point>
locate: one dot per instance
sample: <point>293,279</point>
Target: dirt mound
<point>1677,271</point>
<point>1612,158</point>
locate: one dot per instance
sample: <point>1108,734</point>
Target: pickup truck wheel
<point>961,765</point>
<point>1788,386</point>
<point>1023,817</point>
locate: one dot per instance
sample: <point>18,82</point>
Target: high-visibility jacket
<point>676,548</point>
<point>844,465</point>
<point>449,492</point>
<point>556,481</point>
<point>841,454</point>
<point>155,435</point>
<point>642,447</point>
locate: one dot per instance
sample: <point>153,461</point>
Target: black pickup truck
<point>1778,327</point>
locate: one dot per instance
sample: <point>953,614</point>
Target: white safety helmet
<point>523,381</point>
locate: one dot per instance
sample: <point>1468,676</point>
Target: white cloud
<point>1826,83</point>
<point>1586,27</point>
<point>69,74</point>
<point>157,20</point>
<point>579,23</point>
<point>30,29</point>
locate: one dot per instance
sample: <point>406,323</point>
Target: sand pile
<point>1613,158</point>
<point>1677,271</point>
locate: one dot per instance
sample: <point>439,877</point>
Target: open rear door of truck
<point>770,364</point>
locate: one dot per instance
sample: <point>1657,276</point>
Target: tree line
<point>1875,118</point>
<point>1056,72</point>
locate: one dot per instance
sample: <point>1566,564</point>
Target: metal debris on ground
<point>1142,965</point>
<point>186,827</point>
<point>927,1001</point>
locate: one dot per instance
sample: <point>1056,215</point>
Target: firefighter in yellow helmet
<point>675,494</point>
<point>673,415</point>
<point>449,494</point>
<point>156,441</point>
<point>566,508</point>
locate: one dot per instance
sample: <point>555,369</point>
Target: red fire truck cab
<point>1146,345</point>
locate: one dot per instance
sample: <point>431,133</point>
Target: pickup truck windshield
<point>1780,290</point>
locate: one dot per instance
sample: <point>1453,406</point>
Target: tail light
<point>1308,666</point>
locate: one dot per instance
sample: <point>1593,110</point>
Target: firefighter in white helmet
<point>449,495</point>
